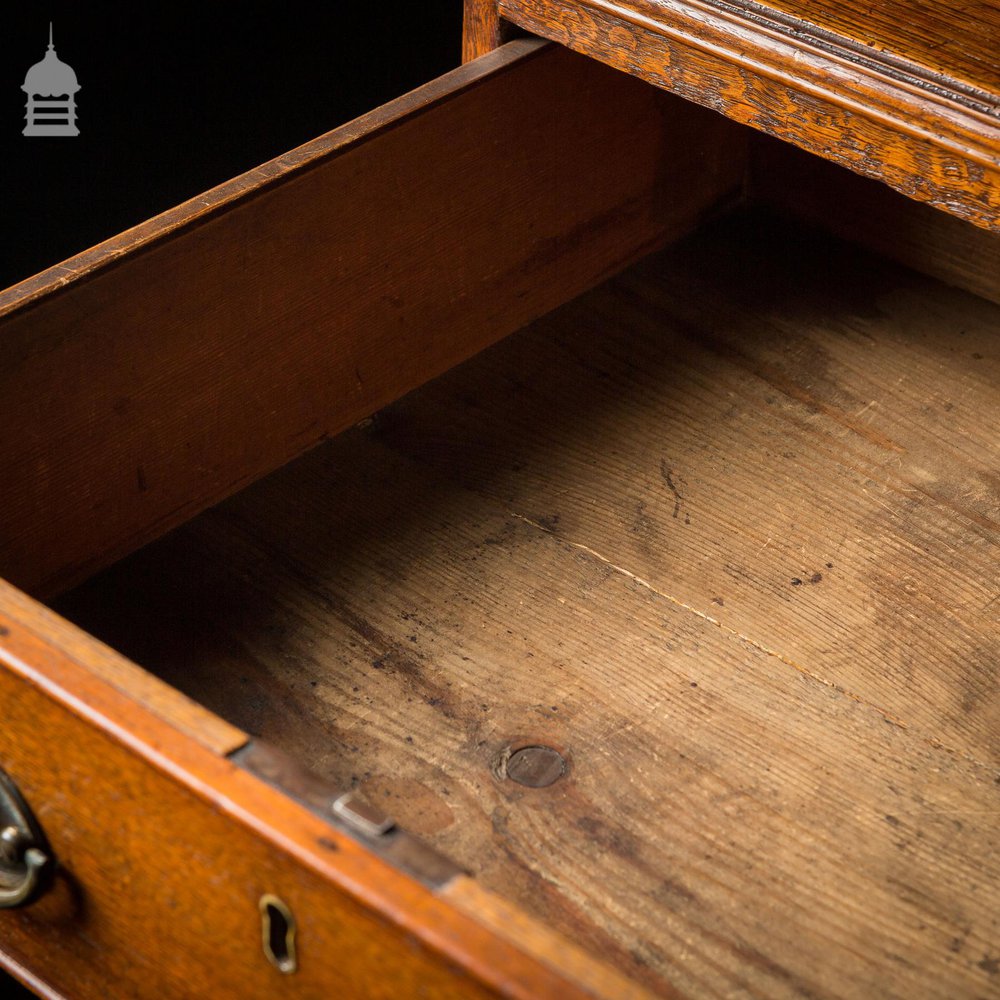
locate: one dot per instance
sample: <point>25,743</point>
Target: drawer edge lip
<point>47,632</point>
<point>27,978</point>
<point>884,66</point>
<point>244,187</point>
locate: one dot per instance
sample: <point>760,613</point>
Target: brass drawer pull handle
<point>25,859</point>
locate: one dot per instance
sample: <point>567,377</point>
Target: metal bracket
<point>349,812</point>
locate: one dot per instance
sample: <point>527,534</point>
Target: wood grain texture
<point>821,408</point>
<point>723,533</point>
<point>945,41</point>
<point>481,29</point>
<point>832,78</point>
<point>165,849</point>
<point>512,923</point>
<point>862,210</point>
<point>163,371</point>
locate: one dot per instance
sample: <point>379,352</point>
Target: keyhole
<point>278,933</point>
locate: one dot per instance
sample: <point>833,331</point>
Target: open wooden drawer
<point>665,631</point>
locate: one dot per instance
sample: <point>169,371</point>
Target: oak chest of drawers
<point>537,539</point>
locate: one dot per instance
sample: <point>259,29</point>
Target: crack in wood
<point>929,740</point>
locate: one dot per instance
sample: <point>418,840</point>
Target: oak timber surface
<point>723,532</point>
<point>955,39</point>
<point>905,93</point>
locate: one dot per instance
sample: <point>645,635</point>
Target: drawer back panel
<point>867,212</point>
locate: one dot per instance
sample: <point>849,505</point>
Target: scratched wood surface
<point>723,533</point>
<point>803,446</point>
<point>908,93</point>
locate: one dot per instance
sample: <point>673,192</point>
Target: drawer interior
<point>672,617</point>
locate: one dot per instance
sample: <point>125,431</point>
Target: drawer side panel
<point>148,381</point>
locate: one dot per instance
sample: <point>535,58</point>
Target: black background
<point>177,98</point>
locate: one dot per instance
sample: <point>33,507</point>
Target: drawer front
<point>159,883</point>
<point>159,886</point>
<point>167,851</point>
